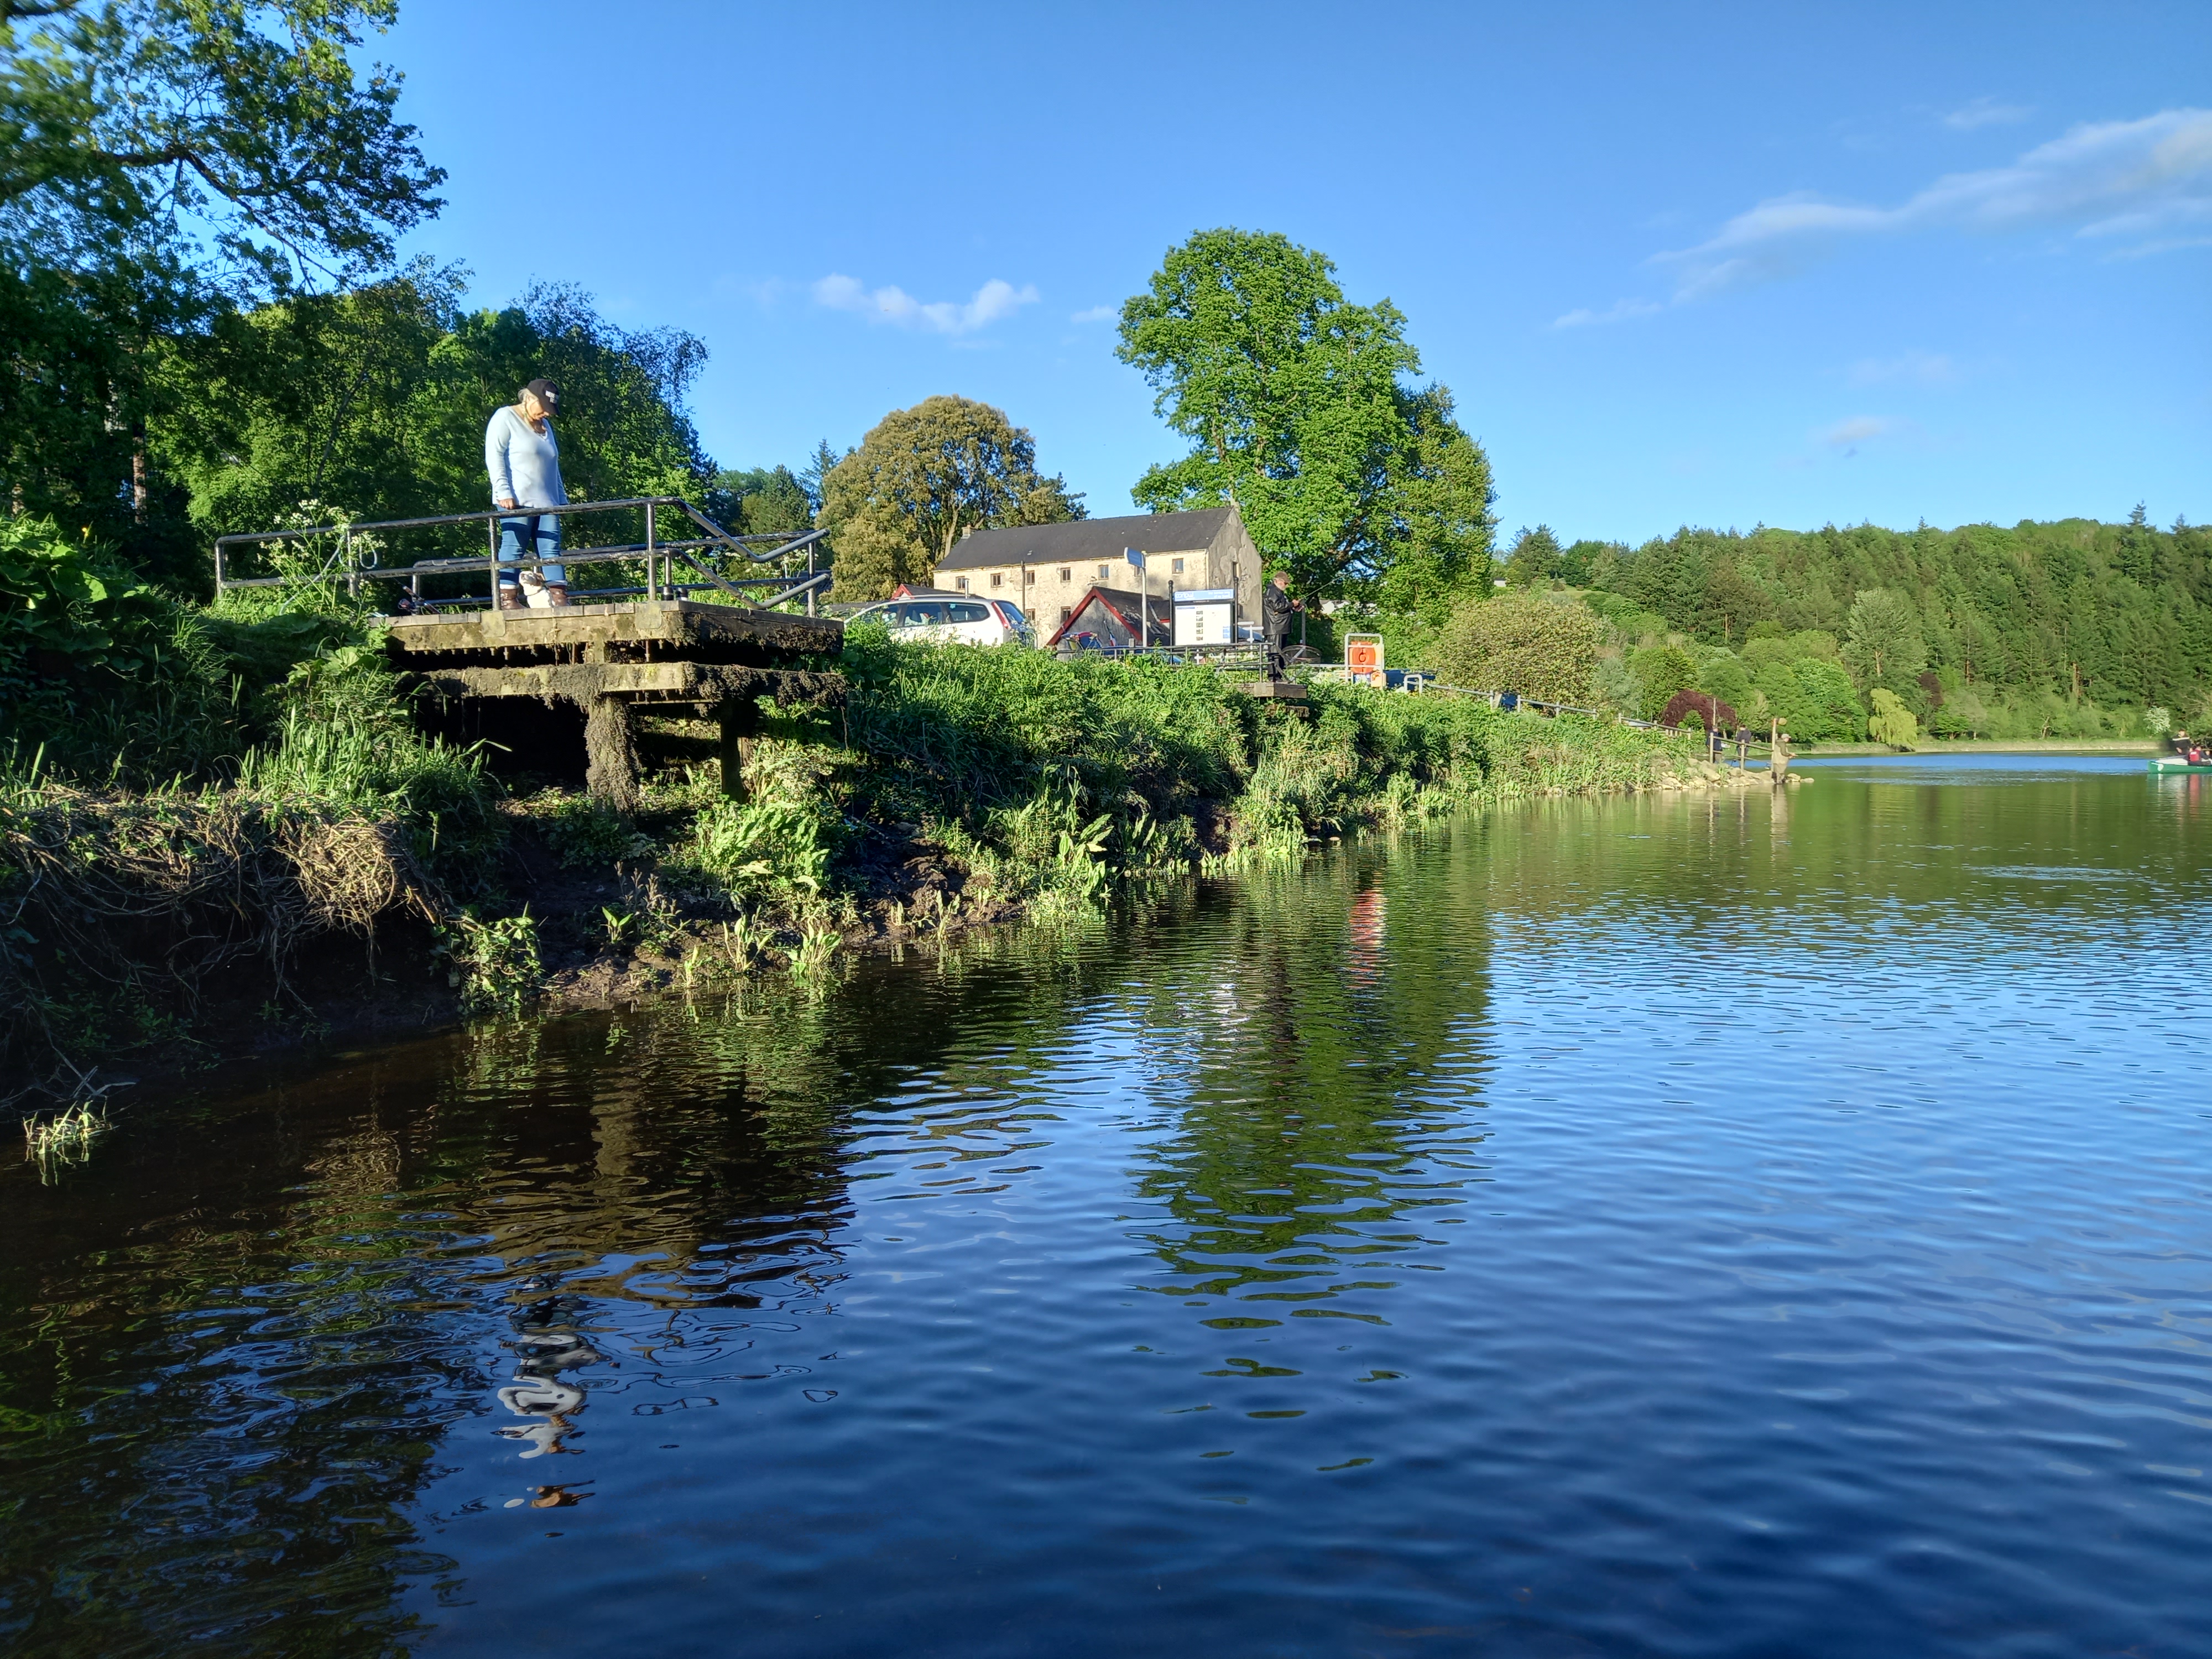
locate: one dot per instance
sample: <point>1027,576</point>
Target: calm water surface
<point>1747,1226</point>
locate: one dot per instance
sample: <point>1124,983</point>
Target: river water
<point>1762,1225</point>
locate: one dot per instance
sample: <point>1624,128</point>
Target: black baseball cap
<point>546,393</point>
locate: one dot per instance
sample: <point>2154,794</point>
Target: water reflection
<point>1309,1146</point>
<point>1631,1226</point>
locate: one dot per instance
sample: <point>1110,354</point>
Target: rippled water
<point>1685,1226</point>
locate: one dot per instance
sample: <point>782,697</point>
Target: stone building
<point>1052,566</point>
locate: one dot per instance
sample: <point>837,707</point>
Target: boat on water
<point>2161,764</point>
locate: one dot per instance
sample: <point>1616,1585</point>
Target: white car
<point>951,621</point>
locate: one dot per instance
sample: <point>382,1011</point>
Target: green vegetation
<point>2058,630</point>
<point>198,205</point>
<point>143,875</point>
<point>165,164</point>
<point>1892,722</point>
<point>1298,408</point>
<point>2047,630</point>
<point>1538,644</point>
<point>919,479</point>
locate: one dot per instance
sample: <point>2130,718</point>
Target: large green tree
<point>161,161</point>
<point>1300,409</point>
<point>371,404</point>
<point>923,477</point>
<point>759,500</point>
<point>1884,643</point>
<point>1536,558</point>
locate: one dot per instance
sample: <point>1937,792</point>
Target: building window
<point>1028,578</point>
<point>1177,566</point>
<point>1066,574</point>
<point>1104,571</point>
<point>997,579</point>
<point>960,582</point>
<point>1067,615</point>
<point>1030,613</point>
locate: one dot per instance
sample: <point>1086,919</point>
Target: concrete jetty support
<point>609,663</point>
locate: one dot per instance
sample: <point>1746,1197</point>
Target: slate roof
<point>1122,602</point>
<point>1091,539</point>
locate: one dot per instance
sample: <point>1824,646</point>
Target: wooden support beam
<point>741,721</point>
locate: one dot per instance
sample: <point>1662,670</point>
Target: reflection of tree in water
<point>230,1350</point>
<point>1305,1144</point>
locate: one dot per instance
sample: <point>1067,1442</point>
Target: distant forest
<point>2112,614</point>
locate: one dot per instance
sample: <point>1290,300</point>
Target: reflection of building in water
<point>1365,952</point>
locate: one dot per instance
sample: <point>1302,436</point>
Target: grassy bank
<point>180,901</point>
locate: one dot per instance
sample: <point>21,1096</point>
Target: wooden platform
<point>609,661</point>
<point>1274,690</point>
<point>653,631</point>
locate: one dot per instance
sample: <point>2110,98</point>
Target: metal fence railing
<point>356,556</point>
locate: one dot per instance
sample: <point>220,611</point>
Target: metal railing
<point>1240,653</point>
<point>658,555</point>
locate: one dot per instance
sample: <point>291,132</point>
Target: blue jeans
<point>519,537</point>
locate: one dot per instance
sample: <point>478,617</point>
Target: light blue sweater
<point>524,465</point>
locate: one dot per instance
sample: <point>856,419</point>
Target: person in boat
<point>1277,607</point>
<point>523,457</point>
<point>2180,742</point>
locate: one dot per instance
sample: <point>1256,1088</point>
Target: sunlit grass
<point>63,1139</point>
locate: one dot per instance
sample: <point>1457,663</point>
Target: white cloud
<point>1859,430</point>
<point>994,299</point>
<point>1918,368</point>
<point>1619,311</point>
<point>1985,113</point>
<point>2111,178</point>
<point>2166,244</point>
<point>1096,315</point>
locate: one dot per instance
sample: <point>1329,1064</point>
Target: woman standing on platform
<point>524,459</point>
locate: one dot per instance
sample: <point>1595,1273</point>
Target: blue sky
<point>1714,264</point>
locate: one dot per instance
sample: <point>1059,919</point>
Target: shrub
<point>1709,712</point>
<point>1813,700</point>
<point>1660,671</point>
<point>492,966</point>
<point>1533,643</point>
<point>1964,714</point>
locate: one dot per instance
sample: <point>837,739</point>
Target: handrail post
<point>652,592</point>
<point>491,538</point>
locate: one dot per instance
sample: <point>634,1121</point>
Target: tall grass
<point>1046,766</point>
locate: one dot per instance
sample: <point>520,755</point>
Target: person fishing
<point>1277,607</point>
<point>523,457</point>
